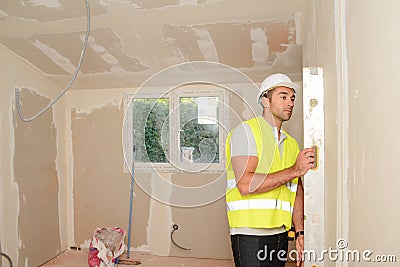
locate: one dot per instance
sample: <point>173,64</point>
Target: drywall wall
<point>99,189</point>
<point>100,186</point>
<point>321,48</point>
<point>30,167</point>
<point>203,229</point>
<point>351,41</point>
<point>373,93</point>
<point>36,175</point>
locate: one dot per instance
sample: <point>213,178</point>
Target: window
<point>181,130</point>
<point>199,133</point>
<point>151,129</point>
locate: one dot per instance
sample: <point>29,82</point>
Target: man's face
<point>281,103</point>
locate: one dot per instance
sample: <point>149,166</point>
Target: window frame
<point>174,95</point>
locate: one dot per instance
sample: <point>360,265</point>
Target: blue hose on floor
<point>131,200</point>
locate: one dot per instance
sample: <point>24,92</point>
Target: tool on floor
<point>126,261</point>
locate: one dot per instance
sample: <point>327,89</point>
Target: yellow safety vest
<point>270,209</point>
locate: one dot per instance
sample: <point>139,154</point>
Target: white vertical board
<point>314,186</point>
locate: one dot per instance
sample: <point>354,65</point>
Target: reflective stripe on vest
<point>269,204</point>
<point>292,187</point>
<point>231,183</point>
<point>270,209</point>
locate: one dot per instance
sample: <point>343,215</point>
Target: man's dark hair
<point>268,94</point>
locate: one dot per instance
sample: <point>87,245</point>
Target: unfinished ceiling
<point>131,40</point>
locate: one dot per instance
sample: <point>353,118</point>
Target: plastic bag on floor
<point>106,246</point>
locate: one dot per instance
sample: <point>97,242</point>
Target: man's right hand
<point>305,161</point>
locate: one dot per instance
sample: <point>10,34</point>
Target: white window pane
<point>199,142</point>
<point>207,110</point>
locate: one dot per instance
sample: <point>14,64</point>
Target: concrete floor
<point>79,259</point>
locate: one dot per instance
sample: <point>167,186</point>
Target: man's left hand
<point>300,249</point>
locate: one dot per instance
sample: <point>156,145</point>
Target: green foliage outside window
<point>151,131</point>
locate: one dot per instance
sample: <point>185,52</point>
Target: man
<point>264,193</point>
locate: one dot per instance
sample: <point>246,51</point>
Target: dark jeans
<point>260,251</point>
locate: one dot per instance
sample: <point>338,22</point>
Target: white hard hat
<point>273,81</point>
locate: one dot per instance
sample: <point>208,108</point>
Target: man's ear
<point>265,102</point>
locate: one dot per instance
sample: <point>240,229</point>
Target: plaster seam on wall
<point>12,151</point>
<point>93,109</point>
<point>297,23</point>
<point>105,55</point>
<point>206,44</point>
<point>260,47</point>
<point>313,33</point>
<point>45,3</point>
<point>59,170</point>
<point>55,57</point>
<point>95,104</point>
<point>70,176</point>
<point>3,14</point>
<point>343,123</point>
